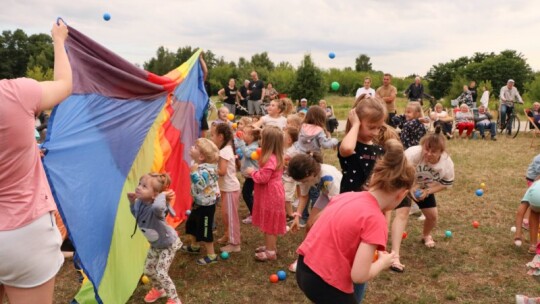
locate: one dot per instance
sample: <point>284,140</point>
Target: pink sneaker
<point>292,267</point>
<point>171,301</point>
<point>153,295</point>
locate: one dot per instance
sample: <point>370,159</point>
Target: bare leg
<point>533,230</point>
<point>209,246</point>
<point>431,220</point>
<point>398,227</point>
<point>288,208</point>
<point>270,242</point>
<point>388,216</point>
<point>520,215</point>
<point>42,294</point>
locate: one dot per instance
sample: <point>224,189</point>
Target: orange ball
<point>234,126</point>
<point>274,278</point>
<point>254,155</point>
<point>230,116</point>
<point>475,224</point>
<point>404,235</point>
<point>259,151</point>
<point>375,256</point>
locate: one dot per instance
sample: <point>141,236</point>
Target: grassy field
<point>474,266</point>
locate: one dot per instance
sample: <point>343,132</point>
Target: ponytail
<point>392,171</point>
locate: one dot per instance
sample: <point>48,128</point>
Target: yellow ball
<point>482,185</point>
<point>145,280</point>
<point>234,125</point>
<point>254,155</point>
<point>230,116</point>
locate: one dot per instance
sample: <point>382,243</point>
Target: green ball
<point>335,85</point>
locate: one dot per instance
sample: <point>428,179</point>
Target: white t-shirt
<point>484,100</point>
<point>229,182</point>
<point>426,173</point>
<point>328,183</point>
<point>362,90</point>
<point>280,122</point>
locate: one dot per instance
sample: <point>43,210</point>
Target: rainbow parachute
<point>120,123</point>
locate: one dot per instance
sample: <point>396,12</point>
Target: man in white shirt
<point>366,89</point>
<point>508,95</point>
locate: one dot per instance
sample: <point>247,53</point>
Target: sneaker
<point>207,260</point>
<point>292,267</point>
<point>422,218</point>
<point>154,294</point>
<point>247,220</point>
<point>302,223</point>
<point>190,249</point>
<point>414,209</point>
<point>171,301</point>
<point>494,139</point>
<point>230,248</point>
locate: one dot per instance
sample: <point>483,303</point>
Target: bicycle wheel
<point>515,126</point>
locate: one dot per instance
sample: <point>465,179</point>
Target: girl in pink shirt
<point>339,250</point>
<point>229,187</point>
<point>269,194</point>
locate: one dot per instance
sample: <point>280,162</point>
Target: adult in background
<point>30,241</point>
<point>243,94</point>
<point>303,107</point>
<point>229,95</point>
<point>256,92</point>
<point>508,95</point>
<point>366,89</point>
<point>270,93</point>
<point>472,89</point>
<point>415,91</point>
<point>387,92</point>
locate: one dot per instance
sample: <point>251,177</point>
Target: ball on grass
<point>282,275</point>
<point>274,278</point>
<point>224,255</point>
<point>482,185</point>
<point>106,16</point>
<point>513,229</point>
<point>479,192</point>
<point>448,233</point>
<point>475,224</point>
<point>404,235</point>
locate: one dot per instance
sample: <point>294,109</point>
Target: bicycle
<point>511,118</point>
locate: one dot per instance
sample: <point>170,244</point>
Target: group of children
<point>279,157</point>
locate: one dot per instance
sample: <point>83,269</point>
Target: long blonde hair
<point>370,109</point>
<point>272,143</point>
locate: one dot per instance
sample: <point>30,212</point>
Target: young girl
<point>269,207</point>
<point>464,120</point>
<point>441,117</point>
<point>229,186</point>
<point>411,124</point>
<point>148,204</point>
<point>532,198</point>
<point>290,136</point>
<point>294,121</point>
<point>339,249</point>
<point>247,146</point>
<point>356,152</point>
<point>274,116</point>
<point>312,137</point>
<point>522,215</point>
<point>222,114</point>
<point>204,190</point>
<point>434,173</point>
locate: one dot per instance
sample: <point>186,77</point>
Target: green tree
<point>164,62</point>
<point>282,77</point>
<point>40,51</point>
<point>13,54</point>
<point>38,73</point>
<point>363,64</point>
<point>441,76</point>
<point>262,61</point>
<point>309,82</point>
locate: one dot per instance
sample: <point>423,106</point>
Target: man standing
<point>474,92</point>
<point>507,96</point>
<point>415,91</point>
<point>256,92</point>
<point>366,89</point>
<point>388,94</point>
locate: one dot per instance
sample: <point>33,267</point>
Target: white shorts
<point>290,190</point>
<point>30,255</point>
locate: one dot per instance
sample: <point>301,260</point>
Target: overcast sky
<point>401,37</point>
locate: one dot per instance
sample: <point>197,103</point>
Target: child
<point>441,117</point>
<point>356,152</point>
<point>483,121</point>
<point>532,198</point>
<point>464,120</point>
<point>290,136</point>
<point>274,116</point>
<point>434,173</point>
<point>339,249</point>
<point>247,146</point>
<point>294,121</point>
<point>533,173</point>
<point>269,207</point>
<point>222,114</point>
<point>411,124</point>
<point>204,190</point>
<point>309,171</point>
<point>312,137</point>
<point>229,186</point>
<point>148,204</point>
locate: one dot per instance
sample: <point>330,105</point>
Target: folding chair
<point>534,130</point>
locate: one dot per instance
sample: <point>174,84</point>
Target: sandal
<point>260,249</point>
<point>224,240</point>
<point>532,250</point>
<point>517,241</point>
<point>428,241</point>
<point>397,266</point>
<point>266,256</point>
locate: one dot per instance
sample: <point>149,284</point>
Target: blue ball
<point>282,275</point>
<point>332,55</point>
<point>417,193</point>
<point>106,16</point>
<point>224,255</point>
<point>448,233</point>
<point>479,192</point>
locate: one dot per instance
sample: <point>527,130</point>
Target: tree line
<point>32,56</point>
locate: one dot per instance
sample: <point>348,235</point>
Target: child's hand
<point>353,118</point>
<point>386,258</point>
<point>194,167</point>
<point>131,197</point>
<point>170,195</point>
<point>295,226</point>
<point>249,171</point>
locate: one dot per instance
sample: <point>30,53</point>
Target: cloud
<point>401,37</point>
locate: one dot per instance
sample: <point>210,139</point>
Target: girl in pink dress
<point>269,196</point>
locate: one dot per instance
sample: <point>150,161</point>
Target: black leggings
<point>316,289</point>
<point>247,193</point>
